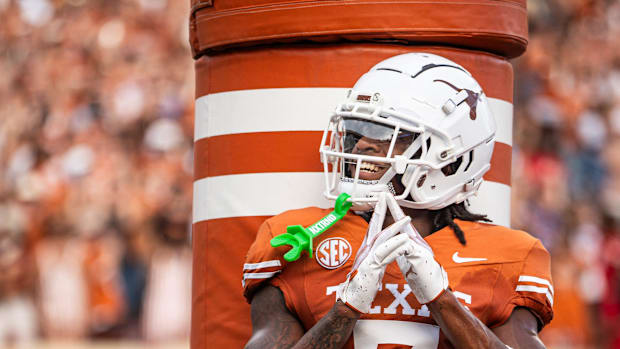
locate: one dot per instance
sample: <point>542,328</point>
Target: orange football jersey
<point>498,270</point>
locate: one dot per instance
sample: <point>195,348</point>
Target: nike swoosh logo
<point>457,259</point>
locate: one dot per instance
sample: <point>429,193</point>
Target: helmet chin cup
<point>363,190</point>
<point>363,206</point>
<point>366,193</point>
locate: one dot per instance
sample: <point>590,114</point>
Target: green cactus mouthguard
<point>300,238</point>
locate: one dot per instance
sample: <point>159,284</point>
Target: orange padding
<point>495,26</point>
<point>220,314</point>
<point>262,152</point>
<point>333,66</point>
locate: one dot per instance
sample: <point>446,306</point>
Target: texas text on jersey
<point>491,282</point>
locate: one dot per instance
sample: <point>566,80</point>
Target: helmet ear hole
<point>451,169</point>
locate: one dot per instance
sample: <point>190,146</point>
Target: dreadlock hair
<point>445,217</point>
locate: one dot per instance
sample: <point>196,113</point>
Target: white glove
<point>425,276</point>
<point>379,248</point>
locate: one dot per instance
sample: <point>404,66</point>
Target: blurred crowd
<point>96,131</point>
<point>566,162</point>
<point>95,149</point>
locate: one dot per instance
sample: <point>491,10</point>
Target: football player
<point>414,132</point>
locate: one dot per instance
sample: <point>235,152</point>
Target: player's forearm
<point>332,331</point>
<point>461,327</point>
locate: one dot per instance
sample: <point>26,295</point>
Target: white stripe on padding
<point>528,278</point>
<point>257,194</point>
<point>502,110</point>
<point>267,194</point>
<point>529,288</point>
<point>266,275</point>
<point>265,110</point>
<point>267,264</point>
<point>292,109</point>
<point>493,199</point>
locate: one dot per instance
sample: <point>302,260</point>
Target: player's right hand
<point>379,248</point>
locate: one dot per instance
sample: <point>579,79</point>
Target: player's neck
<point>422,220</point>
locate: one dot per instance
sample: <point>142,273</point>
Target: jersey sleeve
<point>262,262</point>
<point>532,287</point>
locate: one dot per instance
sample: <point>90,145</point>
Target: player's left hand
<point>423,273</point>
<point>379,248</point>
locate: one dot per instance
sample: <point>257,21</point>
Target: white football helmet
<point>417,125</point>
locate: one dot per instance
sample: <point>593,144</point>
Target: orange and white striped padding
<point>260,114</point>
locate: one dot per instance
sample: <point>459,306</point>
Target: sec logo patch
<point>332,253</point>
